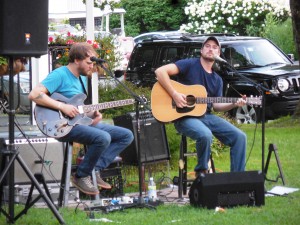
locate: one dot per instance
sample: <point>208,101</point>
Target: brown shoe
<point>84,184</point>
<point>101,183</point>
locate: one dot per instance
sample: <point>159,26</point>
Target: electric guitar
<point>164,108</point>
<point>54,123</point>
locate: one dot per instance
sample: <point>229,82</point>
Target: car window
<point>252,53</point>
<point>237,57</point>
<point>143,58</point>
<point>194,53</point>
<point>170,55</point>
<point>264,53</point>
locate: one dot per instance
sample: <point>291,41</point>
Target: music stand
<point>139,101</point>
<point>10,155</point>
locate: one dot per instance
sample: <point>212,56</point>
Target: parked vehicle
<point>126,45</point>
<point>255,58</point>
<point>21,90</point>
<point>64,30</point>
<point>156,35</point>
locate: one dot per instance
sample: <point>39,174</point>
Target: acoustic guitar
<point>164,108</point>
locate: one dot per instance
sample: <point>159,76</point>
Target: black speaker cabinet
<point>153,141</point>
<point>49,149</point>
<point>228,189</point>
<point>23,27</point>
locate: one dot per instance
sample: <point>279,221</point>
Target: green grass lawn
<point>284,133</point>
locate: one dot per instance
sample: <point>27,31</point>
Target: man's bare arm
<point>40,95</point>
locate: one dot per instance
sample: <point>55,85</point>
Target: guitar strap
<point>88,100</point>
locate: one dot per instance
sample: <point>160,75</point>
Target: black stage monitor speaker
<point>23,27</point>
<point>228,190</point>
<point>49,149</point>
<point>153,141</point>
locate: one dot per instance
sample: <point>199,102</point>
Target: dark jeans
<point>201,129</point>
<point>104,142</point>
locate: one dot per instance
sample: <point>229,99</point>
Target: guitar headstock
<point>256,101</point>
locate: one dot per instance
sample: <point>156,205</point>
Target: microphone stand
<point>140,101</point>
<point>261,90</point>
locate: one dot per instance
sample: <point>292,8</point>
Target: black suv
<point>252,57</point>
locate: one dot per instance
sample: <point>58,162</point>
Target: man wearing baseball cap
<point>202,128</point>
<point>213,38</point>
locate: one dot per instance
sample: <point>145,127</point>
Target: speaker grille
<point>152,135</point>
<point>234,199</point>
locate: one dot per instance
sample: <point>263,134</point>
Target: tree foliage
<point>281,34</point>
<point>152,15</point>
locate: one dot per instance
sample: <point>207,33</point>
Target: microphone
<point>219,59</point>
<point>94,59</point>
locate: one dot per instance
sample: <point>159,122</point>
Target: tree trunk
<point>295,10</point>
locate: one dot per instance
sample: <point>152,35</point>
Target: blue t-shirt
<point>62,81</point>
<point>192,72</point>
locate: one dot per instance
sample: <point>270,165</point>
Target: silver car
<point>21,91</point>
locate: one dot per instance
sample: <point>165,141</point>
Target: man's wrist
<point>59,105</point>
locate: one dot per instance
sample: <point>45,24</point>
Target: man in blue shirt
<point>202,128</point>
<point>104,141</point>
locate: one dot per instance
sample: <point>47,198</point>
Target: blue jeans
<point>201,129</point>
<point>104,142</point>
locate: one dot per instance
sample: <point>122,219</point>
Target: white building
<point>76,12</point>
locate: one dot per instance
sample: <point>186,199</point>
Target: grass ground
<point>284,133</point>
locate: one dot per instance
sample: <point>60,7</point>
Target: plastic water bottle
<point>152,195</point>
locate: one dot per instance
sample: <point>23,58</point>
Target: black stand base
<point>40,178</point>
<point>10,217</point>
<point>273,148</point>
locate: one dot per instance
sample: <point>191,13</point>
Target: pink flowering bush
<point>105,47</point>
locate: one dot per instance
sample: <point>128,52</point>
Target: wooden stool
<point>183,181</point>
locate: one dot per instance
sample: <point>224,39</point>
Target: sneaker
<point>85,185</point>
<point>101,183</point>
<point>198,173</point>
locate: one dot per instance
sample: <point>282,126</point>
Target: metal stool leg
<point>68,174</point>
<point>213,169</point>
<point>65,177</point>
<point>182,165</point>
<point>183,180</point>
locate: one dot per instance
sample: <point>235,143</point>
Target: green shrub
<point>281,33</point>
<point>108,93</point>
